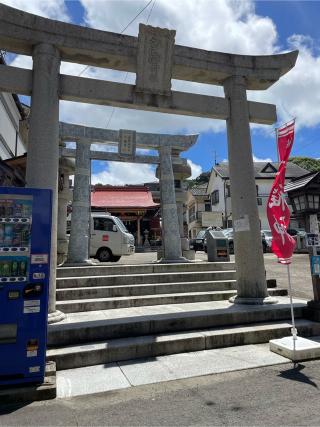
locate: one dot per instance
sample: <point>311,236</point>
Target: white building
<point>199,212</point>
<point>13,136</point>
<point>220,194</point>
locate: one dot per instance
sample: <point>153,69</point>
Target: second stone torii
<point>169,148</point>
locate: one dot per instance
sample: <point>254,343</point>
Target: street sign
<point>312,239</point>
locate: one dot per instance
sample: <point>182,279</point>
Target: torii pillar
<point>251,280</point>
<point>172,252</point>
<point>78,251</point>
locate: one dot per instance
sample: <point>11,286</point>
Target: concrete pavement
<point>132,373</point>
<point>273,395</point>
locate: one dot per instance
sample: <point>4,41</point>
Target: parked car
<point>197,243</point>
<point>228,232</point>
<point>109,238</point>
<point>296,232</point>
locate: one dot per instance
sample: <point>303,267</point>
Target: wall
<point>9,127</point>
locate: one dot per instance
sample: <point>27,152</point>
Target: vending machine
<point>25,239</point>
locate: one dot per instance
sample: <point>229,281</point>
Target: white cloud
<point>243,32</point>
<point>117,173</point>
<point>226,26</point>
<point>196,170</point>
<point>259,159</point>
<point>54,9</point>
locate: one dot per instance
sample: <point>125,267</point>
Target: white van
<point>109,238</point>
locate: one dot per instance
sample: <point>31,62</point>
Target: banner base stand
<point>296,350</point>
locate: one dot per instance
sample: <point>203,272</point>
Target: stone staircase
<point>124,312</point>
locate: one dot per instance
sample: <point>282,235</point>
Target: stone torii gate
<point>127,141</point>
<point>155,59</point>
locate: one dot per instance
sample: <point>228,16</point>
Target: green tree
<point>312,165</point>
<point>203,178</point>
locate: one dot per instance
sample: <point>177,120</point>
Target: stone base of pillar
<point>189,254</point>
<point>312,311</point>
<point>253,301</point>
<point>62,251</point>
<point>180,260</point>
<point>87,262</point>
<point>185,246</point>
<point>55,317</point>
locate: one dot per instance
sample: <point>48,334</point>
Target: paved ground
<point>300,270</point>
<point>274,395</point>
<point>235,386</point>
<point>132,373</point>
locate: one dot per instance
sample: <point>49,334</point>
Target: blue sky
<point>262,27</point>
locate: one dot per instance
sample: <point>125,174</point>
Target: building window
<point>177,183</point>
<point>257,190</point>
<point>207,207</point>
<point>259,200</point>
<point>313,201</point>
<point>299,203</point>
<point>192,213</point>
<point>228,190</point>
<point>215,197</point>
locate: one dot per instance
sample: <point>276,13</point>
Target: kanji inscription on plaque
<point>127,143</point>
<point>154,60</point>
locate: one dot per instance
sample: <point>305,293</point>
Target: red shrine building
<point>134,205</point>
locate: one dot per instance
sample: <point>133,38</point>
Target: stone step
<point>112,270</point>
<point>115,350</point>
<point>73,306</point>
<point>136,279</point>
<point>144,289</point>
<point>84,327</point>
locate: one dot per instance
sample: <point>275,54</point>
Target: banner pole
<point>277,146</point>
<point>293,329</point>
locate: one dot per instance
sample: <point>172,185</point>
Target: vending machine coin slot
<point>32,290</point>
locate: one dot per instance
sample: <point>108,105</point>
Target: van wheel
<point>115,258</point>
<point>104,255</point>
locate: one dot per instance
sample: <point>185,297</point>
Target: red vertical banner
<point>278,211</point>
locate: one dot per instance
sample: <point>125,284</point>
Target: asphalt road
<point>273,396</point>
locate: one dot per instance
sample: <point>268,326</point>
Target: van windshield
<point>120,224</point>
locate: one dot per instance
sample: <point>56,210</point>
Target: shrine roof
<point>122,197</point>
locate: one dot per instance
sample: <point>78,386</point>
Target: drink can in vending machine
<point>8,234</point>
<point>6,268</point>
<point>25,234</point>
<point>9,208</point>
<point>16,239</point>
<point>1,234</point>
<point>2,209</point>
<point>22,268</point>
<point>18,209</point>
<point>26,210</point>
<point>14,268</point>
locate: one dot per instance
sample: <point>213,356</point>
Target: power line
<point>154,2</point>
<point>125,78</point>
<point>124,29</point>
<point>136,16</point>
